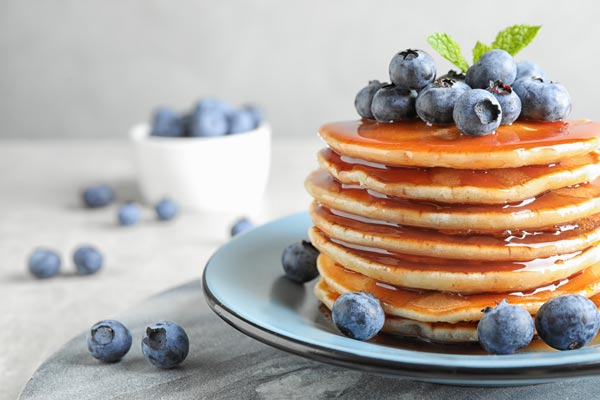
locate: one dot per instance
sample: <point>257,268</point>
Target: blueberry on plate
<point>435,102</point>
<point>129,214</point>
<point>240,120</point>
<point>167,123</point>
<point>541,100</point>
<point>495,65</point>
<point>98,196</point>
<point>299,261</point>
<point>528,69</point>
<point>477,112</point>
<point>364,99</point>
<point>393,103</point>
<point>88,260</point>
<point>412,69</point>
<point>165,344</point>
<point>242,224</point>
<point>358,315</point>
<point>510,103</point>
<point>109,340</point>
<point>44,263</point>
<point>504,329</point>
<point>567,322</point>
<point>166,209</point>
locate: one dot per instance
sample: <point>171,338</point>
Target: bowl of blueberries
<point>215,157</point>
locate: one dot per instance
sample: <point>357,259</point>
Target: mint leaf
<point>449,49</point>
<point>479,50</point>
<point>513,39</point>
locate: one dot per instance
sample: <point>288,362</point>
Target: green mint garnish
<point>449,49</point>
<point>515,38</point>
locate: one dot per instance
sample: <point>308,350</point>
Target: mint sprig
<point>449,49</point>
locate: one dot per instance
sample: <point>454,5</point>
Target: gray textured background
<point>91,68</point>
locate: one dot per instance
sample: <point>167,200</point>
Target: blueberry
<point>412,69</point>
<point>504,329</point>
<point>435,102</point>
<point>212,103</point>
<point>88,260</point>
<point>364,99</point>
<point>98,196</point>
<point>510,103</point>
<point>567,322</point>
<point>299,261</point>
<point>44,263</point>
<point>541,100</point>
<point>240,120</point>
<point>527,69</point>
<point>165,344</point>
<point>477,112</point>
<point>241,225</point>
<point>256,113</point>
<point>393,103</point>
<point>495,65</point>
<point>109,340</point>
<point>166,122</point>
<point>358,315</point>
<point>452,74</point>
<point>129,214</point>
<point>208,122</point>
<point>166,209</point>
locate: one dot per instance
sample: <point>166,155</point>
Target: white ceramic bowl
<point>226,173</point>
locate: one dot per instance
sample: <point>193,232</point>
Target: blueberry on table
<point>129,214</point>
<point>567,322</point>
<point>504,329</point>
<point>167,123</point>
<point>44,263</point>
<point>393,103</point>
<point>241,225</point>
<point>88,260</point>
<point>436,101</point>
<point>541,100</point>
<point>166,209</point>
<point>477,112</point>
<point>109,340</point>
<point>239,121</point>
<point>364,99</point>
<point>358,315</point>
<point>510,103</point>
<point>299,261</point>
<point>165,344</point>
<point>98,196</point>
<point>412,69</point>
<point>528,69</point>
<point>492,66</point>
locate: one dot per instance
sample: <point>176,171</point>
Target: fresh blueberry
<point>452,74</point>
<point>299,261</point>
<point>98,196</point>
<point>435,102</point>
<point>166,122</point>
<point>510,103</point>
<point>393,103</point>
<point>241,225</point>
<point>527,69</point>
<point>364,99</point>
<point>504,329</point>
<point>358,315</point>
<point>495,65</point>
<point>208,122</point>
<point>88,260</point>
<point>165,344</point>
<point>240,120</point>
<point>212,103</point>
<point>129,214</point>
<point>477,112</point>
<point>541,100</point>
<point>44,263</point>
<point>567,322</point>
<point>412,69</point>
<point>255,112</point>
<point>109,340</point>
<point>166,209</point>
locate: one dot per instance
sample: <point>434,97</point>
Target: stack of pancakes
<point>439,225</point>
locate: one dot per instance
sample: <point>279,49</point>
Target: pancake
<point>575,236</point>
<point>552,208</point>
<point>436,306</point>
<point>495,186</point>
<point>458,276</point>
<point>418,145</point>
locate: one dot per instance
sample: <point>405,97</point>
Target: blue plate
<point>244,285</point>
